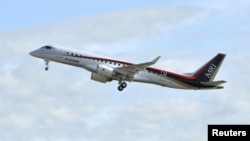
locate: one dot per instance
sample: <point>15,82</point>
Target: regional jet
<point>104,69</point>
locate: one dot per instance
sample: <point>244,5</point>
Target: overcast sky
<point>63,104</point>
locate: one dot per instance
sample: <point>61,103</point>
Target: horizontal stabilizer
<point>213,83</point>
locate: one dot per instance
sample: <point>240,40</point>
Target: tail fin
<point>208,71</point>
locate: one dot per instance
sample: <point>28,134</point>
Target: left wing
<point>130,71</point>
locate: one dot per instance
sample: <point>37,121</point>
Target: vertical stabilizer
<point>208,71</point>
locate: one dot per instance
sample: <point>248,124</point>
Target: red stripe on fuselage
<point>156,70</point>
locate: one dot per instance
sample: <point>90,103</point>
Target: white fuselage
<point>90,63</point>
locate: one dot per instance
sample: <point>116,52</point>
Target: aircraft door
<point>163,75</point>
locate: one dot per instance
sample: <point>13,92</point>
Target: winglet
<point>156,59</point>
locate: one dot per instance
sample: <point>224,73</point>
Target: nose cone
<point>35,53</point>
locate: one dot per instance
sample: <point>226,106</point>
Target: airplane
<point>104,69</point>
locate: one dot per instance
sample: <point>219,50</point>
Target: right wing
<point>130,71</point>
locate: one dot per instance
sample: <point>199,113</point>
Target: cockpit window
<point>48,47</point>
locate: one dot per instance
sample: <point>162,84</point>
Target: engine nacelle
<point>105,71</point>
<point>100,78</point>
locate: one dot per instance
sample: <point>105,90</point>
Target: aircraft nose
<point>35,53</point>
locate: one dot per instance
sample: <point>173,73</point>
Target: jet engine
<point>105,71</point>
<point>103,74</point>
<point>100,78</point>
